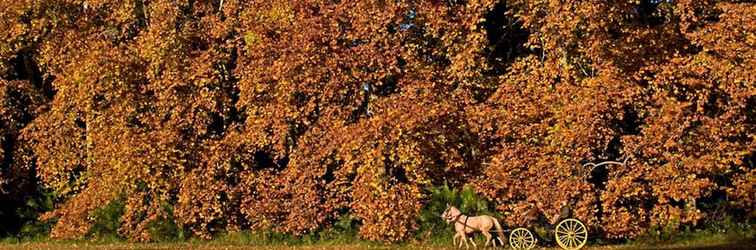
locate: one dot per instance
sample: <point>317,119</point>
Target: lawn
<point>56,245</point>
<point>701,240</point>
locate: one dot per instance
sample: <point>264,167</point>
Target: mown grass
<point>56,245</point>
<point>731,238</point>
<point>724,235</point>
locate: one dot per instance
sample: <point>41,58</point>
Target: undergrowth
<point>432,230</point>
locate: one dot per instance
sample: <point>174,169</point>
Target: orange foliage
<point>285,115</point>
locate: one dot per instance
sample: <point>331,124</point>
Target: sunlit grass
<point>725,236</point>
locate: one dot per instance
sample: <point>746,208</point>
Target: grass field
<point>700,244</point>
<point>57,246</point>
<point>743,237</point>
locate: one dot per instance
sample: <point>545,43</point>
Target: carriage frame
<point>569,233</point>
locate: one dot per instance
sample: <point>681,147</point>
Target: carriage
<point>569,233</point>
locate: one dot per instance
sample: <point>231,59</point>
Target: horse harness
<point>465,223</point>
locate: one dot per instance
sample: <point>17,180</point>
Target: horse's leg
<point>463,239</point>
<point>470,240</point>
<point>493,240</point>
<point>454,239</point>
<point>459,238</point>
<point>488,237</point>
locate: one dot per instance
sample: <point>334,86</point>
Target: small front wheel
<point>521,238</point>
<point>571,234</point>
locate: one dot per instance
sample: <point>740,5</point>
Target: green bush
<point>107,220</point>
<point>435,230</point>
<point>344,230</point>
<point>165,229</point>
<point>728,229</point>
<point>36,204</point>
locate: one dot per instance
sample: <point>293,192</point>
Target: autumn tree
<point>286,115</point>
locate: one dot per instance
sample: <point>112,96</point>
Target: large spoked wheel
<point>521,238</point>
<point>571,234</point>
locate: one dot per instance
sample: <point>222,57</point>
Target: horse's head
<point>450,214</point>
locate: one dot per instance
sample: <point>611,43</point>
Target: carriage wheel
<point>571,234</point>
<point>521,238</point>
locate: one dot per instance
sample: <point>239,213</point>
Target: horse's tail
<point>499,231</point>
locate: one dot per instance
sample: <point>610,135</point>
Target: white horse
<point>464,225</point>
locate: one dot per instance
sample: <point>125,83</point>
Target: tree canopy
<point>284,115</point>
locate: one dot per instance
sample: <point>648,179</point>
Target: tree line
<point>285,115</point>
